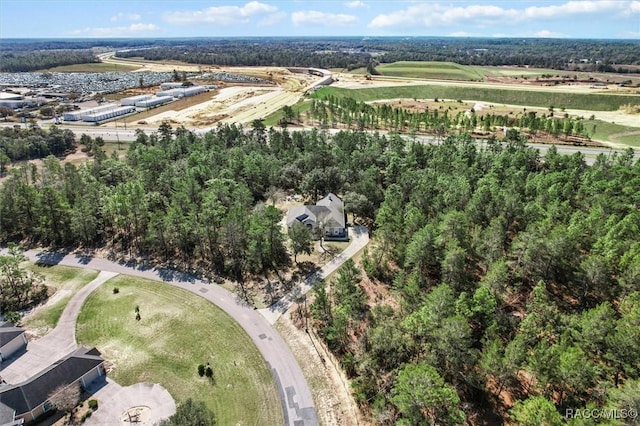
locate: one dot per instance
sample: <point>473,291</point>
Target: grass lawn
<point>273,119</point>
<point>65,281</point>
<point>93,67</point>
<point>429,70</point>
<point>178,331</point>
<point>613,132</point>
<point>583,101</point>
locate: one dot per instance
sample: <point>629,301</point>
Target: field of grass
<point>273,119</point>
<point>429,70</point>
<point>65,281</point>
<point>613,132</point>
<point>178,331</point>
<point>583,101</point>
<point>93,67</point>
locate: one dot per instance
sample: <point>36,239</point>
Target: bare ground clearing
<point>352,81</point>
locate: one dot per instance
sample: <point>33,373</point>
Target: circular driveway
<point>114,400</point>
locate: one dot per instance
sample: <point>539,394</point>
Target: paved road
<point>43,352</point>
<point>295,395</point>
<point>359,239</point>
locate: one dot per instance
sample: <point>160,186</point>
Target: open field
<point>583,101</point>
<point>452,71</point>
<point>94,67</point>
<point>429,70</point>
<point>63,283</point>
<point>612,132</point>
<point>177,331</point>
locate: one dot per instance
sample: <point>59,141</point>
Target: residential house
<point>326,218</point>
<point>28,400</point>
<point>12,340</point>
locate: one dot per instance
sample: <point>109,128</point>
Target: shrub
<point>201,370</point>
<point>93,404</point>
<point>208,372</point>
<point>116,290</point>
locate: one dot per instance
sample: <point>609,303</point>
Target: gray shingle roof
<point>31,393</point>
<point>8,332</point>
<point>330,209</point>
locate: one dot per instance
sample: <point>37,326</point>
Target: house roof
<point>330,209</point>
<point>336,207</point>
<point>7,414</point>
<point>33,392</point>
<point>8,332</point>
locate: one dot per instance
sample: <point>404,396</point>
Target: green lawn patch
<point>584,101</point>
<point>273,119</point>
<point>606,131</point>
<point>178,331</point>
<point>429,70</point>
<point>64,282</point>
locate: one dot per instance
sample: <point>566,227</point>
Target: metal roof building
<point>132,100</point>
<point>182,92</point>
<point>155,101</point>
<point>106,115</point>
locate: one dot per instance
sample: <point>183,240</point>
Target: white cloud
<point>272,19</point>
<point>634,7</point>
<point>355,4</point>
<point>437,15</point>
<point>461,34</point>
<point>549,34</point>
<point>126,31</point>
<point>631,34</point>
<point>125,17</point>
<point>314,17</point>
<point>221,15</point>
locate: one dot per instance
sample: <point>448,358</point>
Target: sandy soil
<point>330,388</point>
<point>353,81</point>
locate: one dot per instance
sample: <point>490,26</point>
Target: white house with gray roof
<point>327,217</point>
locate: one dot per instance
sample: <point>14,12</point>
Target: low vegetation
<point>534,98</point>
<point>62,283</point>
<point>429,70</point>
<point>177,330</point>
<point>20,288</point>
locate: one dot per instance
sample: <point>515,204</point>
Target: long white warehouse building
<point>106,115</point>
<point>151,102</point>
<point>132,100</point>
<point>182,92</point>
<point>79,115</point>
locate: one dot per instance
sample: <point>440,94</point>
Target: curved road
<point>295,395</point>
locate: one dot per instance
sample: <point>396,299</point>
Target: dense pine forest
<point>337,52</point>
<point>508,283</point>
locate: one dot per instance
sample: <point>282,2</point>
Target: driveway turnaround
<point>43,352</point>
<point>295,396</point>
<point>115,400</point>
<point>359,239</point>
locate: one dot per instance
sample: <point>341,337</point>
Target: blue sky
<point>227,18</point>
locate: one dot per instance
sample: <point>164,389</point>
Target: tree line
<point>18,144</point>
<point>334,110</point>
<point>350,53</point>
<point>44,59</point>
